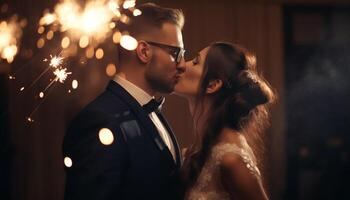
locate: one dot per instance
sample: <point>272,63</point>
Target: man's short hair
<point>153,17</point>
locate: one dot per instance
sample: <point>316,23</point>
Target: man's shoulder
<point>102,109</point>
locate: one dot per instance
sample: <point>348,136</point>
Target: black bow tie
<point>154,105</point>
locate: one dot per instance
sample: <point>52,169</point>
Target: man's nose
<point>182,65</point>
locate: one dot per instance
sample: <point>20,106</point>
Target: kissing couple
<point>228,100</point>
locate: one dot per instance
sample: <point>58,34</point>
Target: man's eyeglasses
<point>176,52</point>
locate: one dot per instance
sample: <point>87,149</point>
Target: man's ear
<point>214,86</point>
<point>143,52</point>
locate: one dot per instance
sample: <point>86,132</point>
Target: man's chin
<point>166,89</point>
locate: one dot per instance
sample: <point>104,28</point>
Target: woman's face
<point>189,84</point>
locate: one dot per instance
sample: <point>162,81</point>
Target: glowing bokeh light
<point>40,43</point>
<point>111,69</point>
<point>129,4</point>
<point>116,37</point>
<point>99,53</point>
<point>68,162</point>
<point>112,25</point>
<point>65,42</point>
<point>74,84</point>
<point>49,35</point>
<point>136,12</point>
<point>9,53</point>
<point>29,119</point>
<point>47,19</point>
<point>41,29</point>
<point>90,52</point>
<point>106,136</point>
<point>84,41</point>
<point>125,19</point>
<point>128,42</point>
<point>10,35</point>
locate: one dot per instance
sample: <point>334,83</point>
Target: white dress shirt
<point>143,98</point>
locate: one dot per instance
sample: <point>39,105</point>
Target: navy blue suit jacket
<point>137,165</point>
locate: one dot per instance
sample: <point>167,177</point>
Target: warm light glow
<point>89,53</point>
<point>116,37</point>
<point>137,12</point>
<point>99,53</point>
<point>40,44</point>
<point>117,13</point>
<point>128,42</point>
<point>47,19</point>
<point>106,136</point>
<point>112,25</point>
<point>129,4</point>
<point>125,19</point>
<point>5,34</point>
<point>9,53</point>
<point>10,34</point>
<point>41,95</point>
<point>111,69</point>
<point>49,35</point>
<point>68,162</point>
<point>84,41</point>
<point>87,23</point>
<point>92,19</point>
<point>96,18</point>
<point>29,119</point>
<point>65,42</point>
<point>41,29</point>
<point>113,5</point>
<point>74,84</point>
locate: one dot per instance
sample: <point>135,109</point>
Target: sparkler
<point>82,25</point>
<point>55,61</point>
<point>87,25</point>
<point>60,73</point>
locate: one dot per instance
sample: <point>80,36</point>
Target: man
<point>120,146</point>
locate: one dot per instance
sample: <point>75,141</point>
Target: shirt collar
<point>139,94</point>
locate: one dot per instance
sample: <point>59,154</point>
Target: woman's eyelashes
<point>195,61</point>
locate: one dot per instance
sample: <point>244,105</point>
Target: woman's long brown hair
<point>241,104</point>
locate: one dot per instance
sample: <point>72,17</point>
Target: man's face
<point>163,72</point>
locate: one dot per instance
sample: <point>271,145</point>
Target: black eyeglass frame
<point>178,52</point>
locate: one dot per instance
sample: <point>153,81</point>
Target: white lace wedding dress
<point>208,185</point>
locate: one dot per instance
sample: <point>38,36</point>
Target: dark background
<point>302,47</point>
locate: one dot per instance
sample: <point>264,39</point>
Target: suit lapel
<point>142,117</point>
<point>173,138</point>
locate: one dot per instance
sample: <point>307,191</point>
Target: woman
<point>228,102</point>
